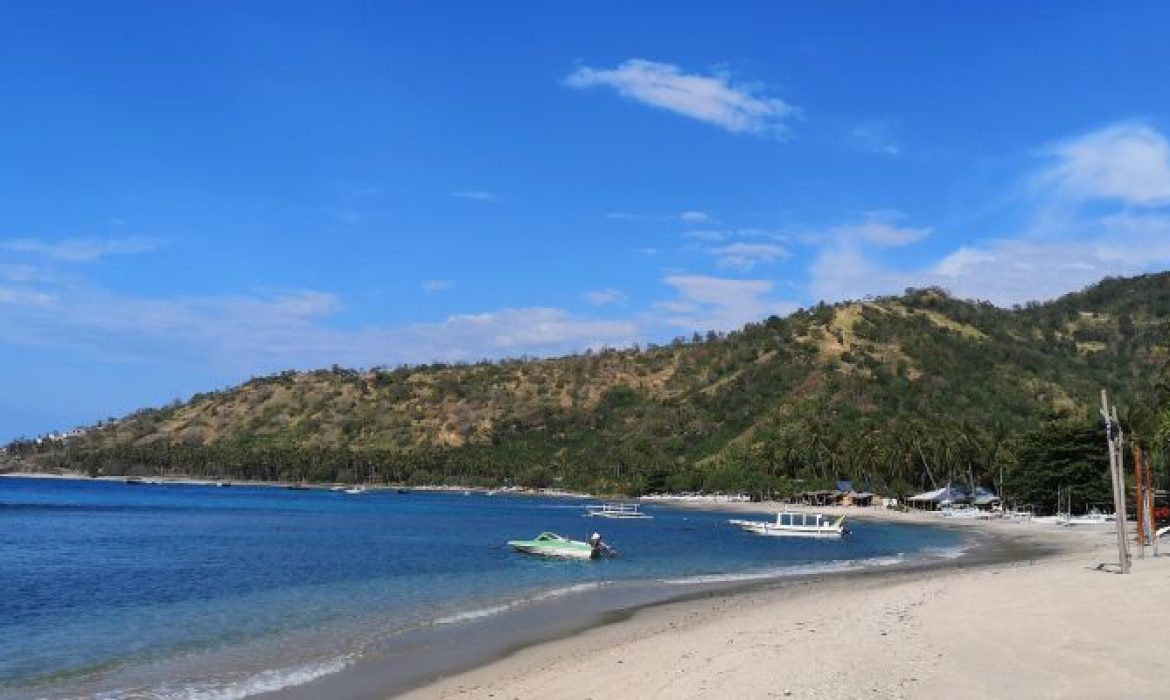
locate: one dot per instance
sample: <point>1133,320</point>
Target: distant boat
<point>625,511</point>
<point>550,544</point>
<point>791,524</point>
<point>356,490</point>
<point>223,484</point>
<point>1093,517</point>
<point>337,488</point>
<point>964,512</point>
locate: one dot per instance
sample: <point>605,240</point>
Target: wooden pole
<point>1113,438</point>
<point>1139,502</point>
<point>1151,523</point>
<point>1123,517</point>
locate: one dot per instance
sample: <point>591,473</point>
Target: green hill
<point>897,392</point>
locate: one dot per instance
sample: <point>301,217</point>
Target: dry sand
<point>1055,627</point>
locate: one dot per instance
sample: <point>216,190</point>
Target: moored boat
<point>627,511</point>
<point>550,544</point>
<point>793,524</point>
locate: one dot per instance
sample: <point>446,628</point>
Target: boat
<point>964,512</point>
<point>792,524</point>
<point>356,490</point>
<point>625,511</point>
<point>550,544</point>
<point>1093,517</point>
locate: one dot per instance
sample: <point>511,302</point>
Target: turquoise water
<point>116,590</point>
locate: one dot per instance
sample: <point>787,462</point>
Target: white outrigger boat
<point>625,511</point>
<point>791,524</point>
<point>550,544</point>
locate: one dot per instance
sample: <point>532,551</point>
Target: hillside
<point>894,391</point>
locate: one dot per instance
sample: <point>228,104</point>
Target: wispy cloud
<point>605,297</point>
<point>434,286</point>
<point>740,109</point>
<point>745,256</point>
<point>265,332</point>
<point>22,273</point>
<point>1123,171</point>
<point>706,235</point>
<point>18,296</point>
<point>81,249</point>
<point>694,217</point>
<point>1128,162</point>
<point>881,228</point>
<point>716,303</point>
<point>477,195</point>
<point>875,137</point>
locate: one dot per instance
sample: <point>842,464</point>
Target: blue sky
<point>193,194</point>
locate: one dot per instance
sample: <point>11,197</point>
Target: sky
<point>194,194</point>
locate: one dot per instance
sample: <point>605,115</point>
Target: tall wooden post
<point>1113,438</point>
<point>1151,523</point>
<point>1122,493</point>
<point>1139,501</point>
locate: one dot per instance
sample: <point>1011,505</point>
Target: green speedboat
<point>550,544</point>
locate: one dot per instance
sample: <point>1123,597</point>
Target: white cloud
<point>1006,271</point>
<point>476,195</point>
<point>715,303</point>
<point>694,217</point>
<point>604,297</point>
<point>707,98</point>
<point>520,331</point>
<point>251,334</point>
<point>81,249</point>
<point>744,256</point>
<point>437,285</point>
<point>17,296</point>
<point>1129,162</point>
<point>712,235</point>
<point>880,228</point>
<point>875,138</point>
<point>22,273</point>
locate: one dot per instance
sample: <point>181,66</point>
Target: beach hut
<point>820,498</point>
<point>861,499</point>
<point>933,500</point>
<point>984,498</point>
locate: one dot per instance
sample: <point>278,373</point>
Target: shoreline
<point>1038,604</point>
<point>454,654</point>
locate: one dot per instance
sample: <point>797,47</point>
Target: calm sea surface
<point>123,591</point>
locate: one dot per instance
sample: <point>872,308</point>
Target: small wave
<point>479,613</point>
<point>830,567</point>
<point>264,682</point>
<point>944,552</point>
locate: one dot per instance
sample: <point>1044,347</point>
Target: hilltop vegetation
<point>896,392</point>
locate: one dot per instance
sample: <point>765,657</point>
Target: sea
<point>113,590</point>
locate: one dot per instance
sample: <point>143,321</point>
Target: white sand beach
<point>1054,627</point>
